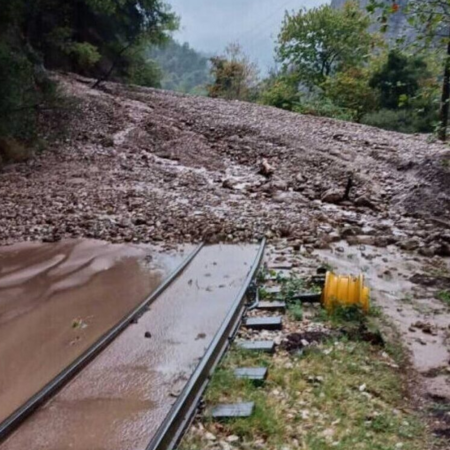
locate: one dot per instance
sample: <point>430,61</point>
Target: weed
<point>295,310</point>
<point>444,296</point>
<point>262,292</point>
<point>341,395</point>
<point>291,287</point>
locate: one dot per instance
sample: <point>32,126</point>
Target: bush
<point>143,72</point>
<point>402,120</point>
<point>85,55</point>
<point>350,90</point>
<point>281,93</point>
<point>17,93</point>
<point>326,108</point>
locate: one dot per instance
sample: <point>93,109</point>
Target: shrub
<point>402,120</point>
<point>350,90</point>
<point>84,54</point>
<point>281,93</point>
<point>326,108</point>
<point>17,93</point>
<point>143,72</point>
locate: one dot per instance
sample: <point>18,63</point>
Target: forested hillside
<point>98,38</point>
<point>183,68</point>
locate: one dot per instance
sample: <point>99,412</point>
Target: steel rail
<point>17,417</point>
<point>183,411</point>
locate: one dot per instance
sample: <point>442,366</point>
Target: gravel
<point>133,164</point>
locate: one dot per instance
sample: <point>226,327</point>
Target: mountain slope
<point>398,25</point>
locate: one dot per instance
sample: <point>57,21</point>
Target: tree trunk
<point>443,116</point>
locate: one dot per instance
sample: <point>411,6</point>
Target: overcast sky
<point>209,25</point>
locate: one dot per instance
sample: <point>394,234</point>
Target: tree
<point>319,42</point>
<point>235,76</point>
<point>92,37</point>
<point>280,91</point>
<point>352,91</point>
<point>399,79</point>
<point>431,20</point>
<point>87,36</point>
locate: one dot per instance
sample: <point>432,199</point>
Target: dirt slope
<point>143,165</point>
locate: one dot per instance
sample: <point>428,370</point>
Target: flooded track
<point>56,300</point>
<point>122,399</point>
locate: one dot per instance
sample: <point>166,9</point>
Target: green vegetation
<point>235,77</point>
<point>430,20</point>
<point>183,69</point>
<point>318,43</point>
<point>98,38</point>
<point>444,296</point>
<point>341,394</point>
<point>333,66</point>
<point>295,310</point>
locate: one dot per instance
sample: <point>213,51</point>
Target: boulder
<point>332,196</point>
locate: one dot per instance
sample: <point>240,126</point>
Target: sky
<point>209,25</point>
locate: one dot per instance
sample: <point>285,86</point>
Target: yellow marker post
<point>345,290</point>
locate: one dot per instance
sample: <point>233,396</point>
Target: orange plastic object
<point>345,290</point>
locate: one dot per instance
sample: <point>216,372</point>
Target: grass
<point>295,310</point>
<point>341,395</point>
<point>444,296</point>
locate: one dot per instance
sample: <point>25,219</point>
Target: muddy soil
<point>142,165</point>
<point>57,299</point>
<point>422,320</point>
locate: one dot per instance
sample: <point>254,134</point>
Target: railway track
<point>139,385</point>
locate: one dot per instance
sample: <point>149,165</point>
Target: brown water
<point>119,401</point>
<point>57,299</point>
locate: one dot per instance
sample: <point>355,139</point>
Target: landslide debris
<point>138,164</point>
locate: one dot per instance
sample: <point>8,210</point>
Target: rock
<point>107,141</point>
<point>409,244</point>
<point>209,436</point>
<point>229,183</point>
<point>350,231</point>
<point>266,169</point>
<point>332,196</point>
<point>427,251</point>
<point>364,202</point>
<point>443,250</point>
<point>334,236</point>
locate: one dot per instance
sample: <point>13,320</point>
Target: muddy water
<point>57,299</point>
<point>388,272</point>
<point>119,401</point>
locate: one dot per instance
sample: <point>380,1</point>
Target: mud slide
<point>56,300</point>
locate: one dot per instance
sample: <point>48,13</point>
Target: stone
<point>332,196</point>
<point>364,202</point>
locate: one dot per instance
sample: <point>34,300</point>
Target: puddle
<point>121,398</point>
<point>422,320</point>
<point>57,299</point>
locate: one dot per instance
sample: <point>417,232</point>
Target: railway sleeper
<point>264,323</point>
<point>272,306</point>
<point>232,411</point>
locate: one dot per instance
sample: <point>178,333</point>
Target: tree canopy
<point>318,42</point>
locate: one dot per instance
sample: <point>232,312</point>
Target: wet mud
<point>422,320</point>
<point>57,299</point>
<point>120,399</point>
